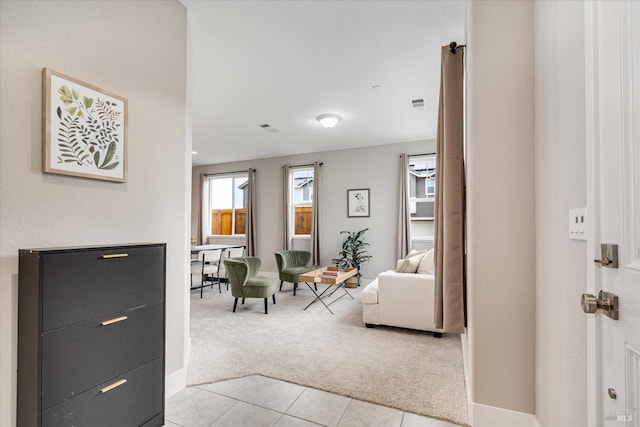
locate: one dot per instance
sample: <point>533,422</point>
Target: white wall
<point>136,49</point>
<point>560,156</point>
<point>376,168</point>
<point>500,215</point>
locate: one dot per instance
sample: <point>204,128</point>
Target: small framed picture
<point>84,129</point>
<point>358,203</point>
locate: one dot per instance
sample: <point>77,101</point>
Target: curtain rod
<point>455,46</point>
<point>226,173</point>
<point>302,166</point>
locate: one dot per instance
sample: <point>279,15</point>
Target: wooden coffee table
<point>334,277</point>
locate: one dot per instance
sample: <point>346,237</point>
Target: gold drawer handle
<point>112,386</point>
<point>112,321</point>
<point>109,256</point>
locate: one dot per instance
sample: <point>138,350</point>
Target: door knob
<point>606,301</point>
<point>589,303</point>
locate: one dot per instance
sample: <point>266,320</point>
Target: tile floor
<point>260,401</point>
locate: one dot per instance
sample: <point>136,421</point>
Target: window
<point>422,186</point>
<point>227,204</point>
<point>301,200</point>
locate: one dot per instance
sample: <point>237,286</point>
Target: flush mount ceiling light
<point>329,120</point>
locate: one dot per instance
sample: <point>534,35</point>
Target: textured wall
<point>136,49</point>
<point>561,366</point>
<point>500,215</point>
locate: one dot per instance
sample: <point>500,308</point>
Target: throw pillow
<point>427,265</point>
<point>411,262</point>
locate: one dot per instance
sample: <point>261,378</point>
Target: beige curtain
<point>315,216</point>
<point>201,233</point>
<point>286,231</point>
<point>404,214</point>
<point>450,196</point>
<point>251,214</point>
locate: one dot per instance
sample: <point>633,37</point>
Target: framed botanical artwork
<point>84,129</point>
<point>358,203</point>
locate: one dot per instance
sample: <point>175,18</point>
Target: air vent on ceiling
<point>417,104</point>
<point>269,128</point>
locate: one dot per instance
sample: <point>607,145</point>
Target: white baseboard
<point>466,357</point>
<point>490,416</point>
<point>177,381</point>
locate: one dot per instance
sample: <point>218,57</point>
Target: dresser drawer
<point>78,357</point>
<point>84,285</point>
<point>130,404</point>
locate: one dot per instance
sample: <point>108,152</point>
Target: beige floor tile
<point>200,409</point>
<point>360,414</point>
<point>245,414</point>
<point>320,407</point>
<point>413,420</point>
<point>258,390</point>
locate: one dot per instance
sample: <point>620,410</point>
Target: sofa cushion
<point>411,262</point>
<point>370,293</point>
<point>427,265</point>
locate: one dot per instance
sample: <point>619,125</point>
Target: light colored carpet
<point>408,370</point>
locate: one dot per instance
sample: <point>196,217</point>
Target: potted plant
<point>354,252</point>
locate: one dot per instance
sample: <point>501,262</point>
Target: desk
<point>198,248</point>
<point>332,276</point>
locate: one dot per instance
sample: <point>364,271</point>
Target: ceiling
<point>286,62</point>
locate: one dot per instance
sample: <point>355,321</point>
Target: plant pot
<point>352,282</point>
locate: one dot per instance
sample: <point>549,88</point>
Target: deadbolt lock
<point>606,301</point>
<point>608,255</point>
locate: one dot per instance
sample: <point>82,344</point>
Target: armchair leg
<point>243,300</point>
<point>295,286</point>
<point>265,305</point>
<point>235,304</point>
<point>281,285</point>
<point>315,285</point>
<point>274,298</point>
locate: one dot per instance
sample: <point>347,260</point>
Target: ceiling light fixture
<point>328,120</point>
<point>194,152</point>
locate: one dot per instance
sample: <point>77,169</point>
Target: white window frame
<point>233,177</point>
<point>293,204</point>
<point>427,198</point>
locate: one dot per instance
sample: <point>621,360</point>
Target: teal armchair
<point>291,265</point>
<point>245,283</point>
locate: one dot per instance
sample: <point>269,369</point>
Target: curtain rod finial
<point>454,46</point>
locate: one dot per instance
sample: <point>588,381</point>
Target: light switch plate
<point>578,224</point>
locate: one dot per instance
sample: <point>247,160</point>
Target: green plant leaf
<point>66,96</point>
<point>111,166</point>
<point>88,102</point>
<point>96,158</point>
<point>111,151</point>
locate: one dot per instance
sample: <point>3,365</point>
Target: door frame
<point>594,408</point>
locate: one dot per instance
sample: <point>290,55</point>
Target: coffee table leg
<point>319,297</point>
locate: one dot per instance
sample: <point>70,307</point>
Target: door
<point>612,58</point>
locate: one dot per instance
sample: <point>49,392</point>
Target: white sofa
<point>404,300</point>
